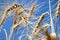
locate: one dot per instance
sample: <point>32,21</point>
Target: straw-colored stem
<point>39,22</point>
<point>47,35</point>
<point>53,34</point>
<point>31,11</point>
<point>58,10</point>
<point>13,7</point>
<point>18,12</point>
<point>44,27</point>
<point>3,18</point>
<point>6,13</point>
<point>14,27</point>
<point>15,16</point>
<point>17,25</point>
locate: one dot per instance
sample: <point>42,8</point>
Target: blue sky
<point>43,6</point>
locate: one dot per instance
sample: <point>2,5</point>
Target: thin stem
<point>51,21</point>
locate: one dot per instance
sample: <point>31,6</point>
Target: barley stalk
<point>3,18</point>
<point>38,36</point>
<point>58,9</point>
<point>31,11</point>
<point>6,13</point>
<point>14,28</point>
<point>15,15</point>
<point>39,22</point>
<point>25,18</point>
<point>17,25</point>
<point>47,35</point>
<point>13,7</point>
<point>18,12</point>
<point>36,33</point>
<point>44,27</point>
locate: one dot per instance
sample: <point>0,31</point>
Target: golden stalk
<point>15,16</point>
<point>14,28</point>
<point>3,18</point>
<point>47,35</point>
<point>18,12</point>
<point>39,22</point>
<point>13,7</point>
<point>58,10</point>
<point>6,13</point>
<point>43,28</point>
<point>21,11</point>
<point>17,25</point>
<point>57,14</point>
<point>31,11</point>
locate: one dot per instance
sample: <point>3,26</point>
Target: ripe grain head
<point>44,27</point>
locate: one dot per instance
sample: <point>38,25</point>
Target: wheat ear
<point>39,22</point>
<point>31,11</point>
<point>6,13</point>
